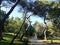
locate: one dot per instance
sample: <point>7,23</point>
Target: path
<point>39,42</point>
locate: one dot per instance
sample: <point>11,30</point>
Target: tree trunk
<point>1,34</point>
<point>6,16</point>
<point>0,2</point>
<point>45,37</point>
<point>22,36</point>
<point>12,8</point>
<point>24,33</point>
<point>17,33</point>
<point>1,30</point>
<point>46,28</point>
<point>1,24</point>
<point>19,30</point>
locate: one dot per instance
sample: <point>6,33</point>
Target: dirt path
<point>38,42</point>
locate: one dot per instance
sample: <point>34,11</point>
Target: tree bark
<point>12,8</point>
<point>19,29</point>
<point>1,34</point>
<point>0,24</point>
<point>46,28</point>
<point>1,30</point>
<point>45,37</point>
<point>0,2</point>
<point>17,33</point>
<point>22,36</point>
<point>24,33</point>
<point>6,16</point>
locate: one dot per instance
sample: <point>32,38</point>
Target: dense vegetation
<point>22,28</point>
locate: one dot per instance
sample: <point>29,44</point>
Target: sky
<point>15,13</point>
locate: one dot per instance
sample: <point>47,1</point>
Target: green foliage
<point>7,38</point>
<point>39,28</point>
<point>30,31</point>
<point>12,25</point>
<point>51,32</point>
<point>23,3</point>
<point>25,41</point>
<point>38,8</point>
<point>2,14</point>
<point>54,12</point>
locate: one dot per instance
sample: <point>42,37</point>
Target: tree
<point>1,27</point>
<point>39,28</point>
<point>6,16</point>
<point>39,8</point>
<point>12,25</point>
<point>0,2</point>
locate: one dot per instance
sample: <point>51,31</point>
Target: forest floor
<point>9,36</point>
<point>7,39</point>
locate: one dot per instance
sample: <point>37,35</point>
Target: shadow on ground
<point>7,43</point>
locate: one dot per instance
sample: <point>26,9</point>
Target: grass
<point>51,41</point>
<point>9,36</point>
<point>7,39</point>
<point>7,43</point>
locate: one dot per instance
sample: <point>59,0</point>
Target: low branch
<point>0,2</point>
<point>12,8</point>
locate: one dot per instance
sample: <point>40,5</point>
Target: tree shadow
<point>4,43</point>
<point>7,39</point>
<point>7,43</point>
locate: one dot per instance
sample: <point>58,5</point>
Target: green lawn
<point>7,39</point>
<point>51,41</point>
<point>9,36</point>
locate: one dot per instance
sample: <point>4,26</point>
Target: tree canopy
<point>49,10</point>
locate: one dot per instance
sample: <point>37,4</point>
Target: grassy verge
<point>51,41</point>
<point>7,39</point>
<point>9,36</point>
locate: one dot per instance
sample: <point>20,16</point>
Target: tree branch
<point>0,2</point>
<point>12,8</point>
